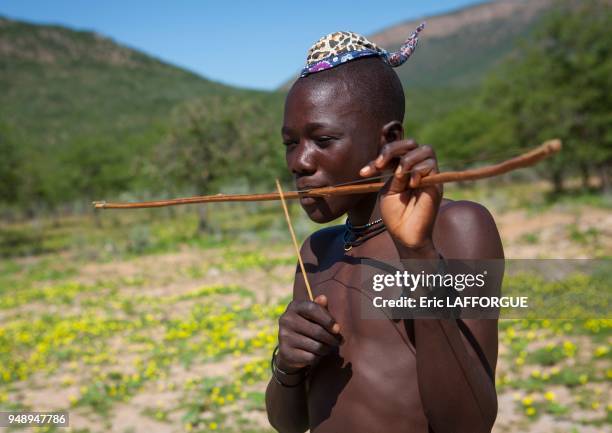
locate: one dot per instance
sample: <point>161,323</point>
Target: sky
<point>254,44</point>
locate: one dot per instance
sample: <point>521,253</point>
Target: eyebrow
<point>315,125</point>
<point>309,127</point>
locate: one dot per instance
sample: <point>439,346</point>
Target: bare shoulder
<point>313,252</point>
<point>318,243</point>
<point>466,230</point>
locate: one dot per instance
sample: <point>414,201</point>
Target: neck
<point>366,210</point>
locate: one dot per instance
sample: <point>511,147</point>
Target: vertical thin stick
<point>295,244</point>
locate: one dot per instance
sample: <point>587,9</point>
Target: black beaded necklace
<point>357,235</point>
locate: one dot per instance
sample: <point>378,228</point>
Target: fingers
<point>318,314</point>
<point>301,342</point>
<point>322,301</point>
<point>412,166</point>
<point>307,332</point>
<point>296,358</point>
<point>418,171</point>
<point>404,156</point>
<point>388,153</point>
<point>315,332</point>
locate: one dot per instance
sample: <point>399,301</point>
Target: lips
<point>306,201</point>
<point>302,187</point>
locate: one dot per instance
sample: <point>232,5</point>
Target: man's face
<point>328,139</point>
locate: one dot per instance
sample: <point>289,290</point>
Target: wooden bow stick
<point>525,160</point>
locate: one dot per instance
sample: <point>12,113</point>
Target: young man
<point>334,371</point>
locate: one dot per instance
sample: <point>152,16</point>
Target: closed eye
<point>324,140</point>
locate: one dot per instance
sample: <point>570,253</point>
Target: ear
<point>392,131</point>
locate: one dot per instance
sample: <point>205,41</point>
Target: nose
<point>301,160</point>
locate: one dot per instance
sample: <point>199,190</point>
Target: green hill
<point>76,83</point>
<point>74,99</point>
<point>81,115</point>
<point>456,52</point>
<point>459,48</point>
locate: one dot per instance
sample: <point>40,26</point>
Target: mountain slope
<point>80,106</point>
<point>85,113</point>
<point>58,84</point>
<point>459,48</point>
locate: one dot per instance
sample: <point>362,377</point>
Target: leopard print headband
<point>341,47</point>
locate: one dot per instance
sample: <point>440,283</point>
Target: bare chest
<point>371,380</point>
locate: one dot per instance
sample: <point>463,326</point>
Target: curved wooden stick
<point>525,160</point>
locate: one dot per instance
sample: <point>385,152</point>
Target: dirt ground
<point>165,286</point>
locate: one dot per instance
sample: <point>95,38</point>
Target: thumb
<point>398,183</point>
<point>321,300</point>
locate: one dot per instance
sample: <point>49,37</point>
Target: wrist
<point>288,377</point>
<point>281,365</point>
<point>427,250</point>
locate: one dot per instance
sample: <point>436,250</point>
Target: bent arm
<point>287,407</point>
<point>457,394</point>
<point>456,371</point>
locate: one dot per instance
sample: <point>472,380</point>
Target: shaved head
<point>335,122</point>
<point>372,84</point>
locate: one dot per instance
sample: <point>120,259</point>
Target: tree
<point>93,168</point>
<point>215,141</point>
<point>559,84</point>
<point>467,135</point>
<point>10,164</point>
